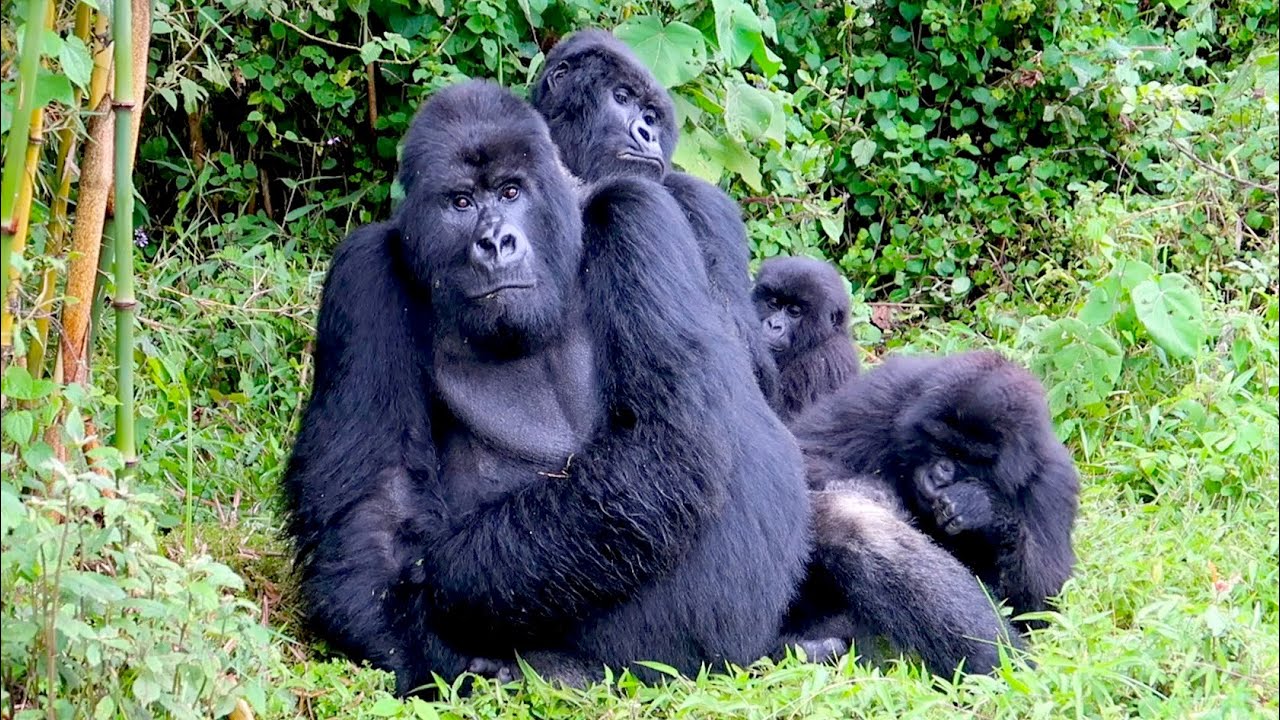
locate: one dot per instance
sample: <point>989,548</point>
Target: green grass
<point>1173,611</point>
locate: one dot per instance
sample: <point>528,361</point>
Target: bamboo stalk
<point>141,46</point>
<point>91,207</point>
<point>86,242</point>
<point>124,301</point>
<point>19,173</point>
<point>58,224</point>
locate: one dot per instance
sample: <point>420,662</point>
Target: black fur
<point>804,310</point>
<point>601,103</point>
<point>611,118</point>
<point>525,433</point>
<point>965,446</point>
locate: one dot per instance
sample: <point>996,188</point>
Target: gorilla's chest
<point>500,424</point>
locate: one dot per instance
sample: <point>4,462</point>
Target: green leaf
<point>664,669</point>
<point>863,152</point>
<point>696,154</point>
<point>735,158</point>
<point>750,113</point>
<point>19,425</point>
<point>1169,309</point>
<point>370,51</point>
<point>76,62</point>
<point>52,87</point>
<point>676,53</point>
<point>74,426</point>
<point>386,706</point>
<point>900,35</point>
<point>737,31</point>
<point>91,586</point>
<point>961,285</point>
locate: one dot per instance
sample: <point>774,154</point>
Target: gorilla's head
<point>489,222</point>
<point>607,113</point>
<point>801,303</point>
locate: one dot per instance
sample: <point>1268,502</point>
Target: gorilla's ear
<point>837,319</point>
<point>558,72</point>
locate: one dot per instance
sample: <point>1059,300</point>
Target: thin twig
<point>1272,189</point>
<point>763,200</point>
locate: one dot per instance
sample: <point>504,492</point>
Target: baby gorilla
<point>804,309</point>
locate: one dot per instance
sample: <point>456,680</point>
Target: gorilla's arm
<point>634,499</point>
<point>722,238</point>
<point>354,484</point>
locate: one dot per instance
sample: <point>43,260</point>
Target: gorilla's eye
<point>461,202</point>
<point>510,192</point>
<point>621,95</point>
<point>650,117</point>
<point>771,303</point>
<point>793,311</point>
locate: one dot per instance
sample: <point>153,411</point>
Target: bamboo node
<point>122,104</point>
<point>124,304</point>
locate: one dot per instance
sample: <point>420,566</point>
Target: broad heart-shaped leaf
<point>696,156</point>
<point>750,113</point>
<point>76,62</point>
<point>676,53</point>
<point>863,151</point>
<point>737,31</point>
<point>1169,309</point>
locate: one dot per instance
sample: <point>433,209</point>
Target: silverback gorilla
<point>525,434</point>
<point>610,117</point>
<point>962,445</point>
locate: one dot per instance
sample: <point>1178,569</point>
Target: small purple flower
<point>140,238</point>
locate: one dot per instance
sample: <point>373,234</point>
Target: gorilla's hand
<point>959,503</point>
<point>500,670</point>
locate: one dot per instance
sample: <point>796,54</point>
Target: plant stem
<point>124,301</point>
<point>58,224</point>
<point>17,171</point>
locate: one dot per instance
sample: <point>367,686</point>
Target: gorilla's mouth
<point>492,292</point>
<point>643,158</point>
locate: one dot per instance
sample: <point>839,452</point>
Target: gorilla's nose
<point>499,247</point>
<point>645,137</point>
<point>773,326</point>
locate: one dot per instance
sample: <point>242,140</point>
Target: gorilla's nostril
<point>508,243</point>
<point>643,132</point>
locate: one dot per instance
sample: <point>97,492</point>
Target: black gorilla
<point>610,117</point>
<point>804,310</point>
<point>524,433</point>
<point>964,446</point>
<point>874,575</point>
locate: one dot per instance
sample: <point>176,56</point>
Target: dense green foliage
<point>1087,186</point>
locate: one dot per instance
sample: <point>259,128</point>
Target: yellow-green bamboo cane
<point>15,166</point>
<point>124,301</point>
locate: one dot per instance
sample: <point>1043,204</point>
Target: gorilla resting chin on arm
<point>611,118</point>
<point>519,438</point>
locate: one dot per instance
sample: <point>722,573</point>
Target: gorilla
<point>964,447</point>
<point>609,116</point>
<point>970,455</point>
<point>525,434</point>
<point>804,310</point>
<point>873,575</point>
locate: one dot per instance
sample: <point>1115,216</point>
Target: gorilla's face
<point>606,111</point>
<point>490,220</point>
<point>801,304</point>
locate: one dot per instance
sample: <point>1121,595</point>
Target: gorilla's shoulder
<point>694,192</point>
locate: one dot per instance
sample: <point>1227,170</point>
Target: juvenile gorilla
<point>963,445</point>
<point>609,117</point>
<point>523,435</point>
<point>804,310</point>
